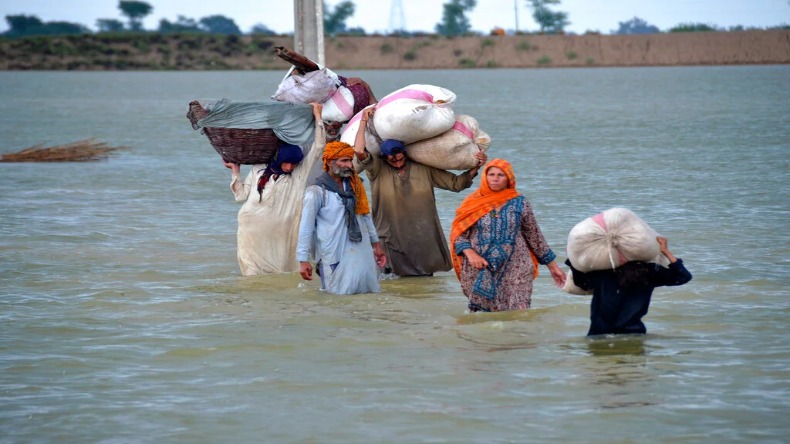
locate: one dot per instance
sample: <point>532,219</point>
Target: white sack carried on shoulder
<point>339,107</point>
<point>610,239</point>
<point>414,112</point>
<point>314,86</point>
<point>454,149</point>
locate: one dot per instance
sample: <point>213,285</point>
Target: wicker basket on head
<point>237,145</point>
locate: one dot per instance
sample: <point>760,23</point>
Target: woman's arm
<point>240,189</point>
<point>663,246</point>
<point>676,274</point>
<point>534,236</point>
<point>537,243</point>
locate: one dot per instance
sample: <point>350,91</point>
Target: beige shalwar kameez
<point>269,221</point>
<point>405,215</point>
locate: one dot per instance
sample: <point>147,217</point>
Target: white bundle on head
<point>610,239</point>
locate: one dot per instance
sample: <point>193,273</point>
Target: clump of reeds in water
<point>81,151</point>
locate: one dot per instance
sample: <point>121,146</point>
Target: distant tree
<point>22,25</point>
<point>219,24</point>
<point>135,11</point>
<point>548,20</point>
<point>636,26</point>
<point>64,28</point>
<point>335,20</point>
<point>183,24</point>
<point>260,28</point>
<point>693,27</point>
<point>109,25</point>
<point>454,21</point>
<point>356,31</point>
<point>30,25</point>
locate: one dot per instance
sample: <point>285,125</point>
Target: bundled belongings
<point>351,97</point>
<point>309,82</point>
<point>410,114</point>
<point>610,239</point>
<point>314,86</point>
<point>454,149</point>
<point>250,132</point>
<point>422,117</point>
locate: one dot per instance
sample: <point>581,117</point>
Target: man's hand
<point>367,113</point>
<point>306,270</point>
<point>378,253</point>
<point>481,157</point>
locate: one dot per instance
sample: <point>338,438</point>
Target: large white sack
<point>314,86</point>
<point>410,114</point>
<point>610,239</point>
<point>339,107</point>
<point>454,149</point>
<point>415,112</point>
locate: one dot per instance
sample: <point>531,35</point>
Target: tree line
<point>454,22</point>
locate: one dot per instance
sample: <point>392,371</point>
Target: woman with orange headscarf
<point>497,244</point>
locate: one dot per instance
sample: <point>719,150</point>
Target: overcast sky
<point>423,15</point>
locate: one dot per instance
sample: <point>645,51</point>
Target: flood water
<point>124,317</point>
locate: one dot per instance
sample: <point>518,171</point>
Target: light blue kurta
<point>346,267</point>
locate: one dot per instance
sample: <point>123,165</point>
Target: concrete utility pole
<point>309,29</point>
<point>515,7</point>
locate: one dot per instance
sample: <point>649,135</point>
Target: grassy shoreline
<point>153,51</point>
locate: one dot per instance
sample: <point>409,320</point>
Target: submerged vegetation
<point>81,151</point>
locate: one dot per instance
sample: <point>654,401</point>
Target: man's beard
<point>342,172</point>
<point>332,131</point>
<point>332,137</point>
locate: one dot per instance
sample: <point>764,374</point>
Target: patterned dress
<point>504,237</point>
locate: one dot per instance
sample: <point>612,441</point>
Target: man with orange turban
<point>336,228</point>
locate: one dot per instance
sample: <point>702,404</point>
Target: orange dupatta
<point>480,202</point>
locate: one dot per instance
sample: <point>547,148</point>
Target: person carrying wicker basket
<point>271,195</point>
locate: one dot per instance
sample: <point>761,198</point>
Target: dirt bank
<point>213,52</point>
<point>708,48</point>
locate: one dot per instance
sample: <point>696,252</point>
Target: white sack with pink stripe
<point>454,149</point>
<point>339,107</point>
<point>610,239</point>
<point>410,114</point>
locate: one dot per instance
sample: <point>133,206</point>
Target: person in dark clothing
<point>621,297</point>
